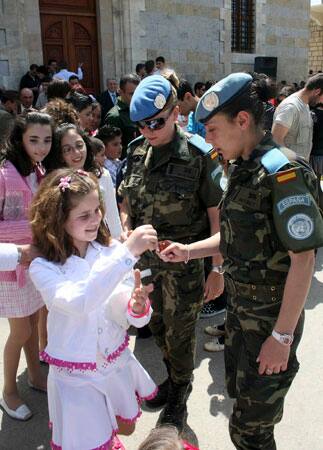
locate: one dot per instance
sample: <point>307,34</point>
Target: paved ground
<point>209,406</point>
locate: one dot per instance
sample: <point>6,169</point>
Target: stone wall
<point>315,62</point>
<point>20,43</point>
<point>187,34</point>
<point>193,35</point>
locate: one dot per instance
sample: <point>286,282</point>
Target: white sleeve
<point>117,306</point>
<point>79,73</point>
<point>8,257</point>
<point>285,115</point>
<point>81,297</point>
<point>140,321</point>
<point>112,217</point>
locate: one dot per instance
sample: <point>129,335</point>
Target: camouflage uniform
<point>171,188</point>
<point>256,264</point>
<point>119,117</point>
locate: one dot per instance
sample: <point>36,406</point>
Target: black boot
<point>162,394</point>
<point>175,411</point>
<point>161,397</point>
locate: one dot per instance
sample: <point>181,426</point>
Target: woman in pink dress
<point>20,172</point>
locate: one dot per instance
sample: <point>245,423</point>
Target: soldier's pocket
<point>251,235</point>
<point>132,188</point>
<point>179,201</point>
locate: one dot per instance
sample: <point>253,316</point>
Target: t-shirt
<point>295,115</point>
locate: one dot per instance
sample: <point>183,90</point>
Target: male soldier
<point>168,183</point>
<point>270,226</point>
<point>119,117</point>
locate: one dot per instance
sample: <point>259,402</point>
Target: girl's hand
<point>141,239</point>
<point>140,294</point>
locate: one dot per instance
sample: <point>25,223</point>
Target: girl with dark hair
<point>83,105</point>
<point>270,226</point>
<point>20,172</point>
<point>71,148</point>
<point>58,89</point>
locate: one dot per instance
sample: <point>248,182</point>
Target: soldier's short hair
<point>129,78</point>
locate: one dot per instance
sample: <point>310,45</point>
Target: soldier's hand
<point>175,252</point>
<point>273,357</point>
<point>141,239</point>
<point>214,286</point>
<point>140,294</point>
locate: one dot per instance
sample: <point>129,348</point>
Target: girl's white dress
<point>93,378</point>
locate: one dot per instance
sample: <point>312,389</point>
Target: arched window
<point>243,26</point>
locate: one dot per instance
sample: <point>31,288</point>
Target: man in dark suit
<point>108,98</point>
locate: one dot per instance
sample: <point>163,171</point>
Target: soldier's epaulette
<point>274,160</point>
<point>200,144</point>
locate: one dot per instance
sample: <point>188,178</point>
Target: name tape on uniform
<point>293,200</point>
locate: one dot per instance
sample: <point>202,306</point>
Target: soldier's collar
<point>180,146</point>
<point>122,105</point>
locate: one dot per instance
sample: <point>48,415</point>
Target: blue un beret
<point>221,94</point>
<point>150,97</point>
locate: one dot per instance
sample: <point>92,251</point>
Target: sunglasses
<point>154,124</point>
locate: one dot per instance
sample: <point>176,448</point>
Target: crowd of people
<point>151,205</point>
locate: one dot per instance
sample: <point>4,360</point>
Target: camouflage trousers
<point>176,301</point>
<point>259,398</point>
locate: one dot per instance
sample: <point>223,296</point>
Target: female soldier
<point>168,183</point>
<point>270,226</point>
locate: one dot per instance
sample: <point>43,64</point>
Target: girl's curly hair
<point>50,210</point>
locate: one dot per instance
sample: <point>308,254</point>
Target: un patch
<point>300,226</point>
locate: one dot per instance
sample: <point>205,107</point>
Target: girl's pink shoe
<point>188,446</point>
<point>117,444</point>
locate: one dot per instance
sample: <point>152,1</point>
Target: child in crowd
<point>94,382</point>
<point>111,137</point>
<point>73,148</point>
<point>96,118</point>
<point>109,193</point>
<point>165,438</point>
<point>20,172</point>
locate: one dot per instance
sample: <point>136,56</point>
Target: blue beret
<point>221,94</point>
<point>150,97</point>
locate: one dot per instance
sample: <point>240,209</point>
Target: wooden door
<point>71,36</point>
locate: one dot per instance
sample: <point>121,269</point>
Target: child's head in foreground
<point>66,215</point>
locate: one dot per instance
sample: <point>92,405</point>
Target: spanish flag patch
<point>287,175</point>
<point>213,154</point>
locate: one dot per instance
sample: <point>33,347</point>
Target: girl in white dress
<point>95,383</point>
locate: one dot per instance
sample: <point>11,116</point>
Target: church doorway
<point>69,33</point>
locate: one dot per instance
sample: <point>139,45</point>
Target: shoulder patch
<point>274,160</point>
<point>200,144</point>
<point>286,176</point>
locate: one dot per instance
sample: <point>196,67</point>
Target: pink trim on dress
<point>105,446</point>
<point>67,364</point>
<point>139,400</point>
<point>149,397</point>
<point>130,421</point>
<point>114,355</point>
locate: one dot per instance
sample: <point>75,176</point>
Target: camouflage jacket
<point>171,192</point>
<point>258,227</point>
<point>119,117</point>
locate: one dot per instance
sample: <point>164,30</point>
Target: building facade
<point>200,39</point>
